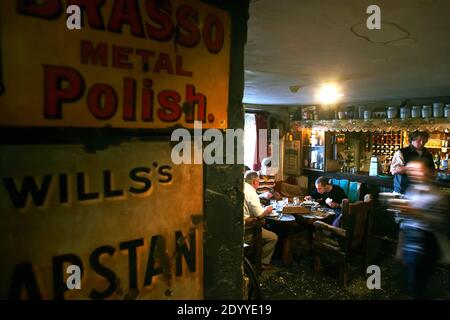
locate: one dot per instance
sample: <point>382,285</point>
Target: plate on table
<point>326,210</point>
<point>309,203</point>
<point>283,217</point>
<point>287,217</point>
<point>273,214</point>
<point>321,213</point>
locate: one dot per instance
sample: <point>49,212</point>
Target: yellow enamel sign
<point>133,64</point>
<point>130,220</point>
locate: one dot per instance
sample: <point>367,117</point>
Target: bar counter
<point>372,184</point>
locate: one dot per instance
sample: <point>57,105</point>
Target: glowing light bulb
<point>328,94</point>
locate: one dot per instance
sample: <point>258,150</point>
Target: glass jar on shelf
<point>427,111</point>
<point>447,111</point>
<point>438,110</point>
<point>405,112</point>
<point>415,112</point>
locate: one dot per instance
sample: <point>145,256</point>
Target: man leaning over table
<point>253,211</point>
<point>329,194</point>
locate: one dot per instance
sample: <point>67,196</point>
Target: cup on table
<point>285,200</point>
<point>280,204</point>
<point>296,200</point>
<point>273,204</point>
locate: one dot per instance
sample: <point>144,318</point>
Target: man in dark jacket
<point>415,150</point>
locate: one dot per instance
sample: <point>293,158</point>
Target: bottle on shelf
<point>437,160</point>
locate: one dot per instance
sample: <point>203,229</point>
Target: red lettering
<point>145,54</point>
<point>195,99</point>
<point>94,100</point>
<point>170,110</point>
<point>213,34</point>
<point>129,99</point>
<point>163,63</point>
<point>155,10</point>
<point>126,11</point>
<point>95,55</point>
<point>179,68</point>
<point>47,9</point>
<point>93,12</point>
<point>120,57</point>
<point>191,35</point>
<point>55,93</point>
<point>147,101</point>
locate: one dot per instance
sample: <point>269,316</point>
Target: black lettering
<point>29,185</point>
<point>132,259</point>
<point>151,270</point>
<point>182,250</point>
<point>59,284</point>
<point>162,172</point>
<point>24,276</point>
<point>135,177</point>
<point>81,192</point>
<point>94,261</point>
<point>107,186</point>
<point>63,189</point>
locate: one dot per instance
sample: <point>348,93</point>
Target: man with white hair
<point>253,212</point>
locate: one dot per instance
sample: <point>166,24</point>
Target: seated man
<point>253,211</point>
<point>329,194</point>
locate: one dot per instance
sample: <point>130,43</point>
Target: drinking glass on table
<point>286,200</point>
<point>296,200</point>
<point>280,204</point>
<point>273,204</point>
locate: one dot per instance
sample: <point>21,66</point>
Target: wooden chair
<point>346,246</point>
<point>253,250</point>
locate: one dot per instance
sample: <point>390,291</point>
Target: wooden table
<point>289,225</point>
<point>301,215</point>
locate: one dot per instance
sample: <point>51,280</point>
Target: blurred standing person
<point>253,212</point>
<point>416,149</point>
<point>425,227</point>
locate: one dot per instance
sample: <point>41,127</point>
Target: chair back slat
<point>355,218</point>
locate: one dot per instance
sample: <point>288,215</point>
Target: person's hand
<point>400,170</point>
<point>333,205</point>
<point>308,198</point>
<point>266,212</point>
<point>402,205</point>
<point>250,221</point>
